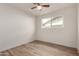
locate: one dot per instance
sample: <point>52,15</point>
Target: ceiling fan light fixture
<point>39,7</point>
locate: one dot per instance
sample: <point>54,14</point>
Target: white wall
<point>66,36</point>
<point>16,27</point>
<point>78,27</point>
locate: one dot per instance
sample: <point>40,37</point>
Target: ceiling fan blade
<point>45,5</point>
<point>37,3</point>
<point>33,7</point>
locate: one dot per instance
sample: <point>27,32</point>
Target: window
<point>52,22</point>
<point>46,23</point>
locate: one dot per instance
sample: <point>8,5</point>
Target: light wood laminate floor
<point>39,48</point>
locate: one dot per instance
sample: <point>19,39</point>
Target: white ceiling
<point>27,7</point>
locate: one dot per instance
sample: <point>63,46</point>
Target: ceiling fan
<point>40,6</point>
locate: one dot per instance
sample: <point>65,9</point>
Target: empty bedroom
<point>39,29</point>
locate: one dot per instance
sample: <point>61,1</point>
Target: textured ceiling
<point>27,7</point>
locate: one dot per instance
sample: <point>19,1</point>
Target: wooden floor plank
<point>39,48</point>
